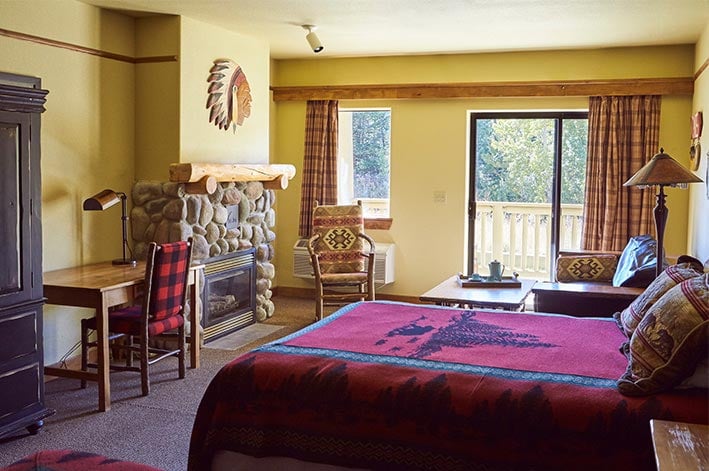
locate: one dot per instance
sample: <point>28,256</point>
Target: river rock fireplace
<point>231,224</point>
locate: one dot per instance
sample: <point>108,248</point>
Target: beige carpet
<point>153,430</point>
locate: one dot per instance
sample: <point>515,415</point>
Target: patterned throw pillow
<point>599,268</point>
<point>670,340</point>
<point>631,316</point>
<point>339,247</point>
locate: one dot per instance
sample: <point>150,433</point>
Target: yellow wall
<point>429,139</point>
<point>157,97</point>
<point>698,242</point>
<point>87,134</point>
<point>109,122</point>
<point>200,140</point>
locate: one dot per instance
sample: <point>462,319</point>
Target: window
<point>527,185</point>
<point>363,160</point>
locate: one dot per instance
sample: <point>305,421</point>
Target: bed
<point>388,385</point>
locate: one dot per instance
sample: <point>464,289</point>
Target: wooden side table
<point>583,299</point>
<point>451,293</point>
<point>679,446</point>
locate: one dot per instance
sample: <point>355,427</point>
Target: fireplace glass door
<point>229,294</point>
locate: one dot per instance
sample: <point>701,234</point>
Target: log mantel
<point>203,177</point>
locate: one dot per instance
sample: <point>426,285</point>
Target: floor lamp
<point>662,170</point>
<point>105,200</point>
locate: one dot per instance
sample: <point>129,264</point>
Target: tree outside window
<point>363,162</point>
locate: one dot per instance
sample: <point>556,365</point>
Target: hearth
<point>229,296</point>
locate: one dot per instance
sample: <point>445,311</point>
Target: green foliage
<point>371,131</point>
<point>515,160</point>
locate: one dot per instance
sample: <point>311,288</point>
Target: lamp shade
<point>102,200</point>
<point>662,170</point>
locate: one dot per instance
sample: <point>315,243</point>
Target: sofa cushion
<point>599,267</point>
<point>630,317</point>
<point>637,262</point>
<point>670,341</point>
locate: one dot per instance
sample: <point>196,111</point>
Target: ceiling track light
<point>312,38</point>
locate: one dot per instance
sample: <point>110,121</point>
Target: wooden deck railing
<point>518,234</point>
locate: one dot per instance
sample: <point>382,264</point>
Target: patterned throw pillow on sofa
<point>670,341</point>
<point>631,316</point>
<point>599,267</point>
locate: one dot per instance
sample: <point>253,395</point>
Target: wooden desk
<point>679,446</point>
<point>102,286</point>
<point>450,292</point>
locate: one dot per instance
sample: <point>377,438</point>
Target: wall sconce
<point>105,200</point>
<point>312,38</point>
<point>662,170</point>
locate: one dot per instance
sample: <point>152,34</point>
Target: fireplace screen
<point>229,293</point>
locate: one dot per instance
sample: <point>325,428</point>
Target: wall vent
<point>383,262</point>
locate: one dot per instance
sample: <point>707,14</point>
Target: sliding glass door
<point>527,179</point>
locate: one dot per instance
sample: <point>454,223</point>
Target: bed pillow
<point>629,318</point>
<point>670,341</point>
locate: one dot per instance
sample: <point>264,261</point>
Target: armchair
<point>338,257</point>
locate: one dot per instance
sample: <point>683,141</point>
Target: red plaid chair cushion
<point>127,321</point>
<point>169,268</point>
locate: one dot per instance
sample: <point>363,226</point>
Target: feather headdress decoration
<point>225,78</point>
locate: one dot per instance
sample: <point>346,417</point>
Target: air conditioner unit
<point>383,262</point>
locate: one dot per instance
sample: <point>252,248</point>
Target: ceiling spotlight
<point>312,38</point>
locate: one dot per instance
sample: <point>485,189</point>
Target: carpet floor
<point>153,430</point>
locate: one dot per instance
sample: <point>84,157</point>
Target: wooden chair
<point>162,310</point>
<point>337,254</point>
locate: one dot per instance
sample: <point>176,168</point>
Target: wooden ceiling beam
<point>555,88</point>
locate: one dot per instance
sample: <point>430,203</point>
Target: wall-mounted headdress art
<point>229,95</point>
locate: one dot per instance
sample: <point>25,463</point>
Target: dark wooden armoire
<point>21,295</point>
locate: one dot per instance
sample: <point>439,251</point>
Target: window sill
<point>378,223</point>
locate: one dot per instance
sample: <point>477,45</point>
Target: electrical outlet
<point>439,196</point>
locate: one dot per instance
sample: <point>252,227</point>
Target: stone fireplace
<point>236,217</point>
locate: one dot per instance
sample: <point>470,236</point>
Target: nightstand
<point>680,446</point>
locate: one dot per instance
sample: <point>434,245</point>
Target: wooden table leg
<point>104,384</point>
<point>194,323</point>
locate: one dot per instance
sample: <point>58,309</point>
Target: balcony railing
<point>518,235</point>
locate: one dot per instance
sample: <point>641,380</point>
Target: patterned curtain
<point>319,160</point>
<point>623,134</point>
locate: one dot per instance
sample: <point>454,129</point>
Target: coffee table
<point>451,293</point>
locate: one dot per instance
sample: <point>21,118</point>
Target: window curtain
<point>623,134</point>
<point>319,160</point>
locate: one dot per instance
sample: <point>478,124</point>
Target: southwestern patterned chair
<point>162,310</point>
<point>337,254</point>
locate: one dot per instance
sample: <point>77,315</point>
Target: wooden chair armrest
<point>370,240</point>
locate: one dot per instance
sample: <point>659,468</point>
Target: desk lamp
<point>662,170</point>
<point>105,200</point>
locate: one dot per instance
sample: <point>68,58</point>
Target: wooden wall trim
<point>556,88</point>
<point>702,68</point>
<point>84,50</point>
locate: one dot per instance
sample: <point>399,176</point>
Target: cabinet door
<point>15,209</point>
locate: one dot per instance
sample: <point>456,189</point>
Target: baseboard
<point>309,293</point>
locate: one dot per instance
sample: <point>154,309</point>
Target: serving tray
<point>506,282</point>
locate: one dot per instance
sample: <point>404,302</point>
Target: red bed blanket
<point>386,385</point>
